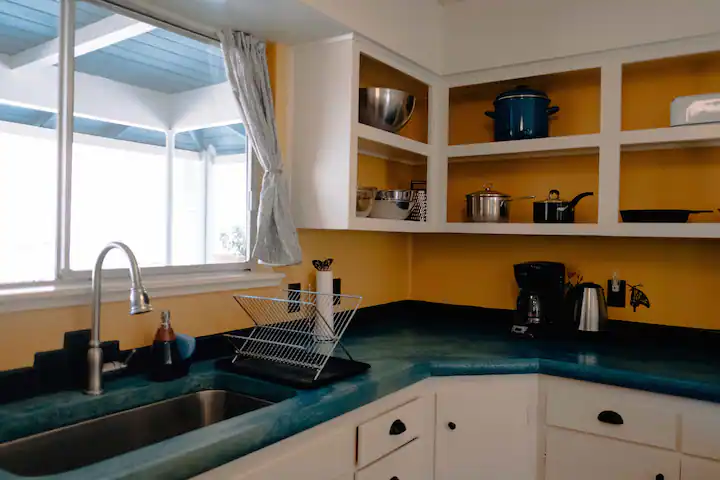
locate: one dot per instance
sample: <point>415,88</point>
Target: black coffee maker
<point>541,301</point>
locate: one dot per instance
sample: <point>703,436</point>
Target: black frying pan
<point>658,216</point>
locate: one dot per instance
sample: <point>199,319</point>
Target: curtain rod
<point>147,17</point>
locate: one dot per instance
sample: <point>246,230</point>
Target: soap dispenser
<point>165,360</point>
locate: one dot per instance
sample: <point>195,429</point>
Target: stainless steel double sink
<point>75,446</point>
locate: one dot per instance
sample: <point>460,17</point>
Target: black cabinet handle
<point>397,428</point>
<point>452,426</point>
<point>394,478</point>
<point>659,476</point>
<point>613,418</point>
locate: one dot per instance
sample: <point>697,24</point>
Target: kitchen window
<point>158,156</point>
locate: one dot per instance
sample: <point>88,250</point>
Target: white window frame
<point>71,287</point>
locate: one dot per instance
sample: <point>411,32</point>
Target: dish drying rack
<point>293,339</point>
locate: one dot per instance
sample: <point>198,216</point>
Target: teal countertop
<point>401,353</point>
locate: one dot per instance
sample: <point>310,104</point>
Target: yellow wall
<point>680,277</point>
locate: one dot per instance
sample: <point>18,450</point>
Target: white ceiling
<point>284,21</point>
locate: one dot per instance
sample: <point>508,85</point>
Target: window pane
<point>188,245</point>
<point>118,194</point>
<point>149,82</point>
<point>227,210</point>
<point>28,152</point>
<point>28,182</point>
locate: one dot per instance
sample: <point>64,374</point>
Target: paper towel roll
<point>324,328</point>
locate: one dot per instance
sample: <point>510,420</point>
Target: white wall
<point>412,28</point>
<point>482,34</point>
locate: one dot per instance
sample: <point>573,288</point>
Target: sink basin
<point>75,446</point>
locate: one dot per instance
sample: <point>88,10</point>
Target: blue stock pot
<point>521,113</point>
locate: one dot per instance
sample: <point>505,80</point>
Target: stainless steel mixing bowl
<point>385,108</point>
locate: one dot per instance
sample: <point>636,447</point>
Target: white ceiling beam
<point>96,36</point>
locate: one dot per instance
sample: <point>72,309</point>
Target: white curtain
<point>246,63</point>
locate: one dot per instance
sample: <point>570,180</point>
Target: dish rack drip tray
<point>294,339</point>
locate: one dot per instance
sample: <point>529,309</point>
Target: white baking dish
<point>695,109</point>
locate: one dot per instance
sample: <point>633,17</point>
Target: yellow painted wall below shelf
<point>650,87</point>
<point>576,93</point>
<point>682,178</point>
<point>534,176</point>
<point>680,276</point>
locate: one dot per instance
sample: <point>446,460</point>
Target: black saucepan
<point>658,216</point>
<point>555,210</point>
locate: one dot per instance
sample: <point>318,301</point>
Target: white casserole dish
<point>694,109</point>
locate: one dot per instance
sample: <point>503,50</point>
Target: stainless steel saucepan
<point>488,205</point>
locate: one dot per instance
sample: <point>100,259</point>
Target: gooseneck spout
<point>139,303</point>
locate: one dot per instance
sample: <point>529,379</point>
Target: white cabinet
<point>316,455</point>
<point>410,462</point>
<point>572,456</point>
<point>699,469</point>
<point>487,428</point>
<point>329,146</point>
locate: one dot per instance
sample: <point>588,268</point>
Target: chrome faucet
<point>139,303</point>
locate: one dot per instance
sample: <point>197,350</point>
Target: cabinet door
<point>699,469</point>
<point>486,428</point>
<point>572,455</point>
<point>410,462</point>
<point>309,455</point>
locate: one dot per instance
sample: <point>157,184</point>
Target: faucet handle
<point>116,366</point>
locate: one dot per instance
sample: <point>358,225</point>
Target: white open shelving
<point>391,140</point>
<point>704,135</point>
<point>387,225</point>
<point>328,138</point>
<point>537,147</point>
<point>587,229</point>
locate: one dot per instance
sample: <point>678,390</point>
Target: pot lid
<point>521,91</point>
<point>553,197</point>
<point>487,191</point>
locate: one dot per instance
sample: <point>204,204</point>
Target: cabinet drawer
<point>701,430</point>
<point>408,463</point>
<point>646,418</point>
<point>699,469</point>
<point>574,455</point>
<point>383,434</point>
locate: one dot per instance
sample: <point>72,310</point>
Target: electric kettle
<point>588,308</point>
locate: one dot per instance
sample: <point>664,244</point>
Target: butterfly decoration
<point>638,297</point>
<point>322,265</point>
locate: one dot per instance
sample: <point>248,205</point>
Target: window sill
<point>67,294</point>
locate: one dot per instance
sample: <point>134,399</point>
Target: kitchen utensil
<point>588,307</point>
<point>541,299</point>
<point>488,205</point>
<point>284,346</point>
<point>555,210</point>
<point>393,204</point>
<point>695,109</point>
<point>659,215</point>
<point>365,200</point>
<point>385,108</point>
<point>419,211</point>
<point>521,113</point>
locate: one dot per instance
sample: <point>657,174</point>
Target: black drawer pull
<point>452,426</point>
<point>659,476</point>
<point>613,418</point>
<point>397,428</point>
<point>394,478</point>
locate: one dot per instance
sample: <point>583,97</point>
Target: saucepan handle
<point>552,110</point>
